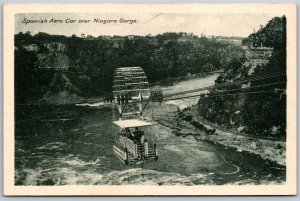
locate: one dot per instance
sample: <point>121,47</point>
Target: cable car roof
<point>131,123</point>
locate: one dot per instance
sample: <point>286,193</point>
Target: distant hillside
<point>50,67</point>
<point>232,39</point>
<point>256,107</point>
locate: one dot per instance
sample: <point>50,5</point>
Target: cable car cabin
<point>133,144</point>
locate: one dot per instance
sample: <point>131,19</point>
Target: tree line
<point>93,60</point>
<point>257,111</point>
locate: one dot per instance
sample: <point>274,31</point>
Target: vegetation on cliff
<point>47,65</point>
<point>257,107</point>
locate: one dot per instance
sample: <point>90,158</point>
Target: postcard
<point>149,99</point>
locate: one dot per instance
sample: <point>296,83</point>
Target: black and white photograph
<point>159,99</point>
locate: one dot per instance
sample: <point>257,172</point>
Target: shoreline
<point>184,124</point>
<point>67,98</point>
<point>171,81</point>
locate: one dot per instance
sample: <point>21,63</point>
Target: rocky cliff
<point>256,104</point>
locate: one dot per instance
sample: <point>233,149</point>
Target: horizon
<point>146,35</point>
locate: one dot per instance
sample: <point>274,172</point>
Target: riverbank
<point>62,98</point>
<point>66,97</point>
<point>171,81</point>
<point>72,145</point>
<point>184,123</point>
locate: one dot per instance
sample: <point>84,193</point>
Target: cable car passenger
<point>136,131</point>
<point>118,99</point>
<point>122,98</point>
<point>127,132</point>
<point>143,137</point>
<point>145,143</point>
<point>137,134</point>
<point>129,135</point>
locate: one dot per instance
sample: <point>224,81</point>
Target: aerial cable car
<point>134,146</point>
<point>133,142</point>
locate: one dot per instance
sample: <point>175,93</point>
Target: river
<point>72,145</point>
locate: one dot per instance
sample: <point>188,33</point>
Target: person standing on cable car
<point>123,133</point>
<point>137,133</point>
<point>142,137</point>
<point>128,133</point>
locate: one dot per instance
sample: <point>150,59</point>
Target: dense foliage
<point>88,64</point>
<point>256,111</point>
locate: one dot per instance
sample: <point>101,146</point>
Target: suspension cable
<point>224,91</point>
<point>220,85</point>
<point>255,92</point>
<point>225,84</point>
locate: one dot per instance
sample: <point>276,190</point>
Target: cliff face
<point>56,66</point>
<point>42,74</point>
<point>256,105</point>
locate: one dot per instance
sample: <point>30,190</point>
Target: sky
<point>141,24</point>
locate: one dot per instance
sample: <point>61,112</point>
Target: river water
<point>72,145</point>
